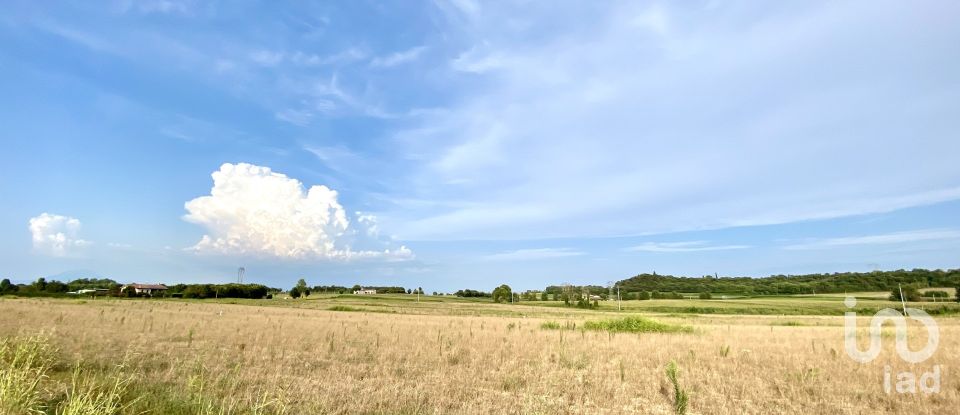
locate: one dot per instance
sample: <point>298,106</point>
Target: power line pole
<point>903,302</point>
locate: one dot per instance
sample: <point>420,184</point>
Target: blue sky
<point>455,144</point>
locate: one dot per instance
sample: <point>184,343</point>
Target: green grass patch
<point>553,325</point>
<point>635,325</point>
<point>356,309</point>
<point>789,323</point>
<point>345,308</point>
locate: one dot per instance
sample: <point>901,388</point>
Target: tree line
<point>303,290</point>
<point>53,288</point>
<point>44,288</point>
<point>839,282</point>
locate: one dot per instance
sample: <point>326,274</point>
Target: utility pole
<point>903,302</point>
<point>618,299</point>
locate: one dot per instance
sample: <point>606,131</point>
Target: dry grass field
<point>392,356</point>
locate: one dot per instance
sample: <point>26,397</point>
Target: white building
<point>365,291</point>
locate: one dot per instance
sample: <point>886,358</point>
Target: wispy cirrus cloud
<point>881,239</point>
<point>398,58</point>
<point>641,133</point>
<point>687,246</point>
<point>534,254</point>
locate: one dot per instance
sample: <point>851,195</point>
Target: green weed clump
<point>24,362</point>
<point>724,351</point>
<point>680,396</point>
<point>344,308</point>
<point>789,323</point>
<point>553,325</point>
<point>635,325</point>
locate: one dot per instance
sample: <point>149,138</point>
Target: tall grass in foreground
<point>24,362</point>
<point>88,397</point>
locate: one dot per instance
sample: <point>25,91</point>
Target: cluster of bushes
<point>330,289</point>
<point>388,290</point>
<point>472,293</point>
<point>912,293</point>
<point>221,291</point>
<point>502,294</point>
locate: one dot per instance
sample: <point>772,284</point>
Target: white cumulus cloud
<point>252,210</point>
<point>56,235</point>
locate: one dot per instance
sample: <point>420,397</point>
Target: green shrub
<point>910,293</point>
<point>344,308</point>
<point>550,325</point>
<point>553,325</point>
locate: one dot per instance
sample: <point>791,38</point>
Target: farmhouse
<point>365,291</point>
<point>148,289</point>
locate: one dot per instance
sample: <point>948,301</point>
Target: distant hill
<point>75,275</point>
<point>794,284</point>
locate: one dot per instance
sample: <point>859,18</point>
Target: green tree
<point>6,287</point>
<point>56,287</point>
<point>543,296</point>
<point>295,292</point>
<point>502,294</point>
<point>302,288</point>
<point>705,296</point>
<point>910,293</point>
<point>40,284</point>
